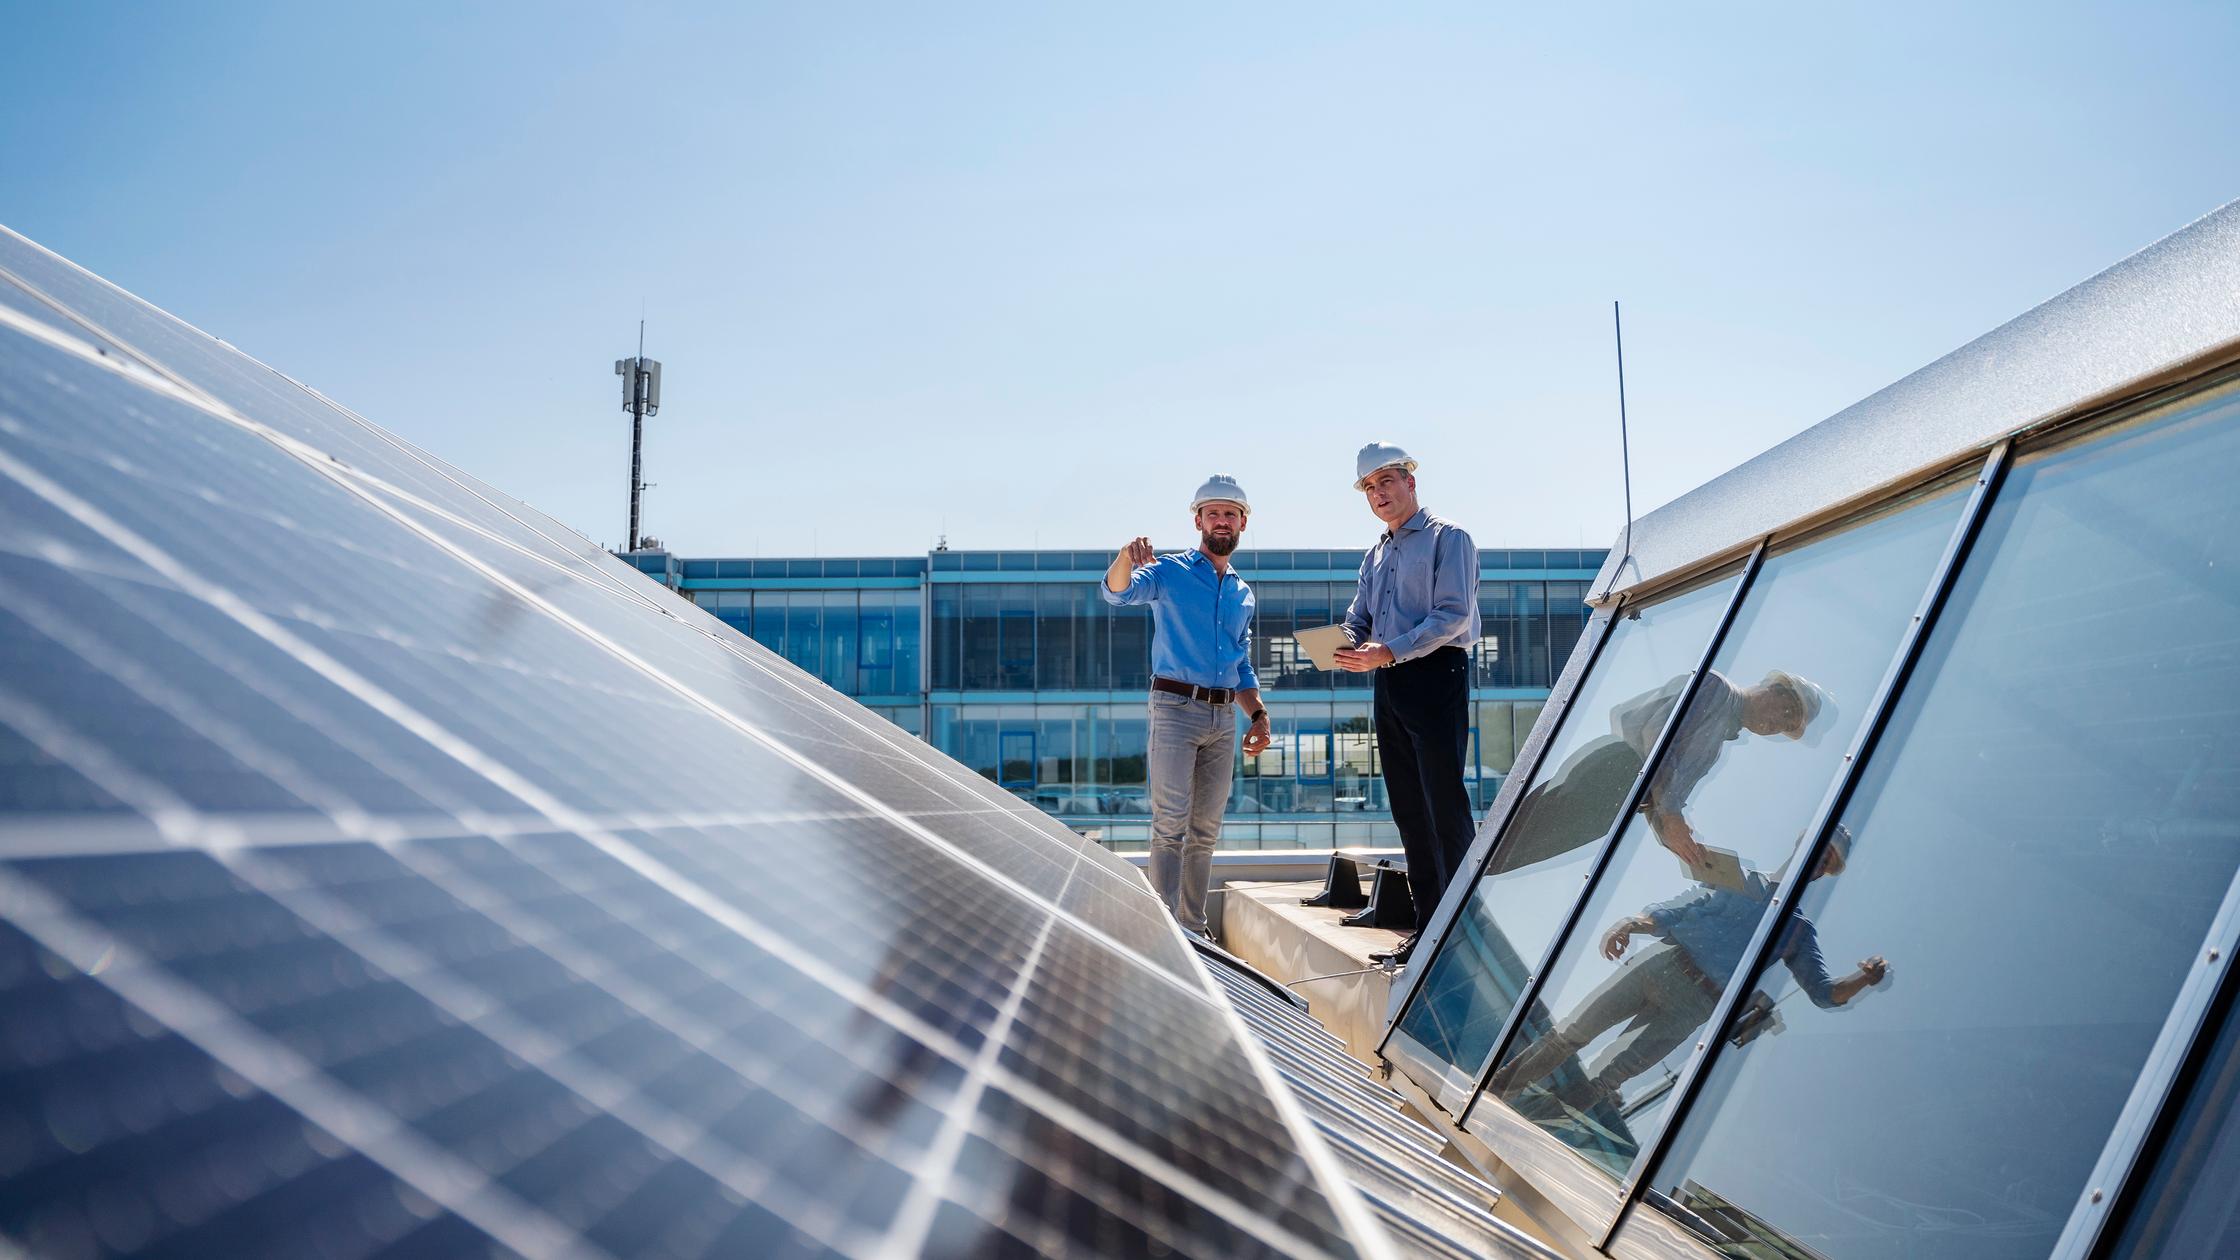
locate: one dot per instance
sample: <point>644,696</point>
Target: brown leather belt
<point>1211,695</point>
<point>1688,968</point>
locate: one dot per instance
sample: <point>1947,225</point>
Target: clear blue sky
<point>1027,272</point>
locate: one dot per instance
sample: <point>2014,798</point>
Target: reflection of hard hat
<point>1377,456</point>
<point>1810,697</point>
<point>1221,488</point>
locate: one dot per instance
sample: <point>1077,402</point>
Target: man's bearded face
<point>1219,525</point>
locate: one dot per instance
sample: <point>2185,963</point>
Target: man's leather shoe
<point>1398,954</point>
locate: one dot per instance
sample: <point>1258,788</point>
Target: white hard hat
<point>1221,488</point>
<point>1377,456</point>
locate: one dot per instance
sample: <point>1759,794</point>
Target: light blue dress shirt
<point>1419,589</point>
<point>1201,618</point>
<point>1715,926</point>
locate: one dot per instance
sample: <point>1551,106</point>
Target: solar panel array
<point>386,870</point>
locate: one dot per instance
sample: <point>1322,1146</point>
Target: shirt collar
<point>1198,559</point>
<point>1421,520</point>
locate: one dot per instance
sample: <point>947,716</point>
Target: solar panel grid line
<point>683,1137</point>
<point>951,773</point>
<point>268,628</point>
<point>1231,1209</point>
<point>907,1236</point>
<point>781,748</point>
<point>285,1075</point>
<point>136,370</point>
<point>1354,1213</point>
<point>82,328</point>
<point>675,1014</point>
<point>294,704</point>
<point>1040,1099</point>
<point>47,835</point>
<point>1382,1127</point>
<point>194,394</point>
<point>89,645</point>
<point>598,574</point>
<point>1334,1189</point>
<point>1093,1130</point>
<point>178,382</point>
<point>174,820</point>
<point>319,660</point>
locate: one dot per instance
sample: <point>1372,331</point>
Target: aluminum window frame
<point>1758,953</point>
<point>1608,843</point>
<point>2105,1203</point>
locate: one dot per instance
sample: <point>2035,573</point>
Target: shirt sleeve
<point>1357,612</point>
<point>1688,758</point>
<point>1454,596</point>
<point>1248,679</point>
<point>1800,952</point>
<point>1143,586</point>
<point>1673,911</point>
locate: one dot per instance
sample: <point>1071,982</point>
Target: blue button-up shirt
<point>1715,925</point>
<point>1201,618</point>
<point>1419,589</point>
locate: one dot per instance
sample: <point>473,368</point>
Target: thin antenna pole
<point>637,431</point>
<point>1625,448</point>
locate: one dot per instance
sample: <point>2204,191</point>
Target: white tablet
<point>1321,644</point>
<point>1720,868</point>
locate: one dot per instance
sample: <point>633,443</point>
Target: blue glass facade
<point>1009,662</point>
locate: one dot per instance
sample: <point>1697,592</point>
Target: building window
<point>944,670</point>
<point>1015,759</point>
<point>1620,1011</point>
<point>2038,846</point>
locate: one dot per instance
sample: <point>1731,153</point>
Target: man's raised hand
<point>1138,553</point>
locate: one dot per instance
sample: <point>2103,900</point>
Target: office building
<point>1011,662</point>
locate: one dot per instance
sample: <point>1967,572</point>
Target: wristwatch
<point>1257,714</point>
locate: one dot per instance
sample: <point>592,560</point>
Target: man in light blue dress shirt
<point>1202,677</point>
<point>1413,620</point>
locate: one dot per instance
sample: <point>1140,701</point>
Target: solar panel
<point>385,870</point>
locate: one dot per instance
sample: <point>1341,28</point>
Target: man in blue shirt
<point>1413,620</point>
<point>1201,666</point>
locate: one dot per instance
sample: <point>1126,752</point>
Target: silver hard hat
<point>1377,456</point>
<point>1221,488</point>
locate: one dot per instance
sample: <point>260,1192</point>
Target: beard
<point>1217,544</point>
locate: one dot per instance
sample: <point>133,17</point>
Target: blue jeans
<point>1193,749</point>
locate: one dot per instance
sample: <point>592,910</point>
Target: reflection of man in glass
<point>1780,704</point>
<point>1668,992</point>
<point>1573,807</point>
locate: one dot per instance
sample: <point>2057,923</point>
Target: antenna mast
<point>641,397</point>
<point>1625,448</point>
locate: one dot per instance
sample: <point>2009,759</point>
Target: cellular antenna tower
<point>641,397</point>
